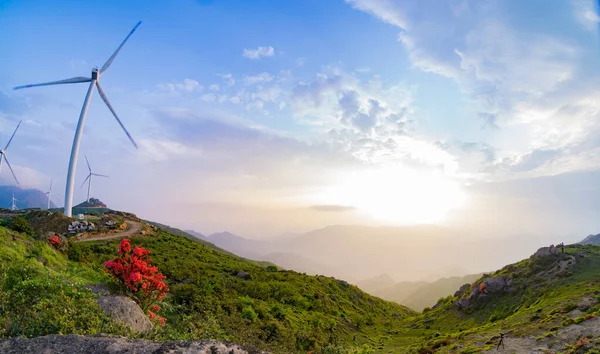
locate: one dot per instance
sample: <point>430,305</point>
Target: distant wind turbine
<point>13,203</point>
<point>93,80</point>
<point>3,153</point>
<point>89,179</point>
<point>49,194</point>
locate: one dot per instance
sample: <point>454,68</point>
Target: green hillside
<point>548,302</point>
<point>44,291</point>
<point>419,295</point>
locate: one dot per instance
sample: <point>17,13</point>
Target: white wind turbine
<point>89,178</point>
<point>3,154</point>
<point>49,194</point>
<point>93,80</point>
<point>13,203</point>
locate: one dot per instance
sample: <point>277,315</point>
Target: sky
<point>263,117</point>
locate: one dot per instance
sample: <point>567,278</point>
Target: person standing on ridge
<point>501,342</point>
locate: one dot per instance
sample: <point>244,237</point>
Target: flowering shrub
<point>55,241</point>
<point>481,287</point>
<point>137,277</point>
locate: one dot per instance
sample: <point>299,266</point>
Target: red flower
<point>162,321</point>
<point>481,287</point>
<point>125,246</point>
<point>55,240</point>
<point>136,275</point>
<point>152,315</point>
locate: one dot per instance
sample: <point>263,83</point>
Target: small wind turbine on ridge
<point>89,179</point>
<point>13,203</point>
<point>49,194</point>
<point>93,80</point>
<point>3,154</point>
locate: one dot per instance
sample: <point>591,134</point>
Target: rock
<point>99,289</point>
<point>462,290</point>
<point>113,345</point>
<point>243,275</point>
<point>495,284</point>
<point>546,251</point>
<point>125,310</point>
<point>463,303</point>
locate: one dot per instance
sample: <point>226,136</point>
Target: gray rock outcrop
<point>243,275</point>
<point>112,345</point>
<point>123,309</point>
<point>546,251</point>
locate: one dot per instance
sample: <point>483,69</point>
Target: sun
<point>397,194</point>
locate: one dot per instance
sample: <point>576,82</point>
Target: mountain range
<point>591,240</point>
<point>422,253</point>
<point>416,295</point>
<point>26,198</point>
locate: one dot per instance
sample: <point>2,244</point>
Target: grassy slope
<point>541,306</point>
<point>43,292</point>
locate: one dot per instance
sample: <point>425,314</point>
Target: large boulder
<point>495,284</point>
<point>112,345</point>
<point>243,275</point>
<point>123,309</point>
<point>546,252</point>
<point>463,289</point>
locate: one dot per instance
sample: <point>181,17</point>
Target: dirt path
<point>133,227</point>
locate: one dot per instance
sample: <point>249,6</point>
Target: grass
<point>44,291</point>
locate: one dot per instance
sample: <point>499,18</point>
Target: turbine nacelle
<point>95,74</point>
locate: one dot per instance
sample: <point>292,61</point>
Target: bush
<point>136,277</point>
<point>20,224</point>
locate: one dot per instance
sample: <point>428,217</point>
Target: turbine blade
<point>50,191</point>
<point>73,80</point>
<point>112,57</point>
<point>105,99</point>
<point>85,180</point>
<point>95,174</point>
<point>88,163</point>
<point>10,168</point>
<point>13,135</point>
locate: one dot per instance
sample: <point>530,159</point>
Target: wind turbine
<point>49,194</point>
<point>3,154</point>
<point>89,178</point>
<point>93,80</point>
<point>13,204</point>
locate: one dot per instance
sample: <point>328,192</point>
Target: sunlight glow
<point>397,194</point>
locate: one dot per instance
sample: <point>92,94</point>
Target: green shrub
<point>249,313</point>
<point>20,224</point>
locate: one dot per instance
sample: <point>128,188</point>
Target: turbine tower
<point>89,179</point>
<point>3,154</point>
<point>13,203</point>
<point>49,194</point>
<point>94,82</point>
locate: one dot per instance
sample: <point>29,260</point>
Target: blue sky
<point>252,116</point>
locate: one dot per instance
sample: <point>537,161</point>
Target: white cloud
<point>209,97</point>
<point>259,52</point>
<point>214,87</point>
<point>185,86</point>
<point>585,11</point>
<point>228,78</point>
<point>260,78</point>
<point>300,62</point>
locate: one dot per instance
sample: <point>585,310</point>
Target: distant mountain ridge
<point>27,198</point>
<point>591,240</point>
<point>355,252</point>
